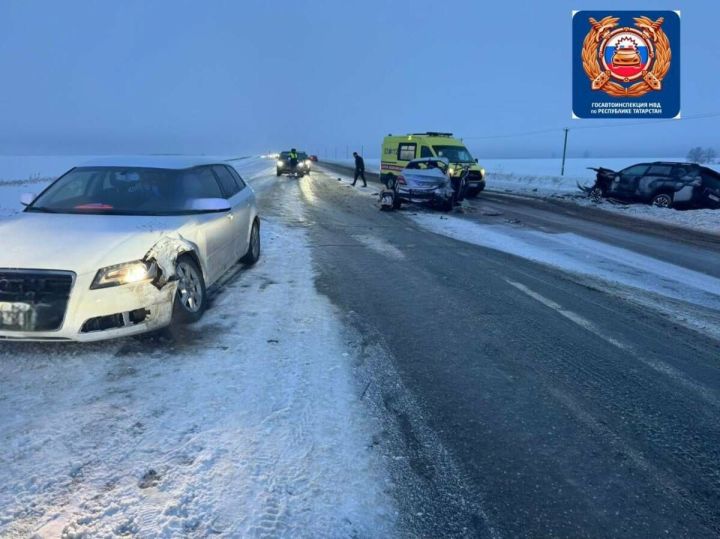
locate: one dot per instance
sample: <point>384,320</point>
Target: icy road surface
<point>567,359</point>
<point>248,424</point>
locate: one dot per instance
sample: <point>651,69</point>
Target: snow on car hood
<point>80,243</point>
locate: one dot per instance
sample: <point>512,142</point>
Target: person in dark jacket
<point>359,169</point>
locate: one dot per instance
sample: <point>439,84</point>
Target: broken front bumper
<point>107,313</point>
<point>425,195</point>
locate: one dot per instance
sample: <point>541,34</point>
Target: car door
<point>237,196</point>
<point>626,182</point>
<point>215,234</point>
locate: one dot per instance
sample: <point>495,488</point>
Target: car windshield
<point>286,155</point>
<point>454,154</point>
<point>128,191</point>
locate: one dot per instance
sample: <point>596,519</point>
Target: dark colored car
<point>663,184</point>
<point>314,158</point>
<point>284,165</point>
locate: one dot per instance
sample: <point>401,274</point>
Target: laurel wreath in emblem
<point>651,80</point>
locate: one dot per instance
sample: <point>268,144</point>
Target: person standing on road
<point>359,169</point>
<point>293,158</point>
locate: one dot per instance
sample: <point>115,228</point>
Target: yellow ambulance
<point>399,150</point>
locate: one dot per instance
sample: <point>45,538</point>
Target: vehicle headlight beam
<point>130,272</point>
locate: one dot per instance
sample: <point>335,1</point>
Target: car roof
<point>154,161</point>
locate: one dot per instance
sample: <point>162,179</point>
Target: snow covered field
<point>541,178</point>
<point>247,424</point>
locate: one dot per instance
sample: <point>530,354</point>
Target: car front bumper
<point>288,168</point>
<point>107,313</point>
<point>424,194</point>
<point>475,184</point>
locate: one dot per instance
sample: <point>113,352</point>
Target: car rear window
<point>711,178</point>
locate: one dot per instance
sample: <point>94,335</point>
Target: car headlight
<point>130,272</point>
<point>301,164</point>
<point>482,172</point>
<point>280,163</point>
<point>307,163</point>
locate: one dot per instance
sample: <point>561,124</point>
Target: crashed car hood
<point>424,178</point>
<point>80,243</point>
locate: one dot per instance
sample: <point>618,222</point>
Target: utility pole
<point>362,150</point>
<point>347,152</point>
<point>562,170</point>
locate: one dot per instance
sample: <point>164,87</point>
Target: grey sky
<point>236,77</point>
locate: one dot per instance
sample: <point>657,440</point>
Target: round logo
<point>626,54</point>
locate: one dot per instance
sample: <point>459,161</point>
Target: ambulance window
<point>426,152</point>
<point>406,152</point>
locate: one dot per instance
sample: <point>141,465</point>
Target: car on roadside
<point>314,158</point>
<point>121,246</point>
<point>662,184</point>
<point>284,164</point>
<point>427,180</point>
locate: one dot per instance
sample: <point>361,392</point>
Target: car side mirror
<point>27,198</point>
<point>209,204</point>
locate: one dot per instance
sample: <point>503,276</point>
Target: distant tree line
<point>701,155</point>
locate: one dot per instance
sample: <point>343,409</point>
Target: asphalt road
<point>525,403</point>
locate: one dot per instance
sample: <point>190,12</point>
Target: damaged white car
<point>121,246</point>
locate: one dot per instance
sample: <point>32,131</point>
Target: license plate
<point>15,315</point>
<point>714,197</point>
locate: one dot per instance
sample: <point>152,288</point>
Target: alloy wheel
<point>190,292</point>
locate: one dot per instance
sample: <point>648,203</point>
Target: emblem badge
<point>626,62</point>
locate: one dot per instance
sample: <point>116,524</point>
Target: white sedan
<point>121,246</point>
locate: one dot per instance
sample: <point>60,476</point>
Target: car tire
<point>472,192</point>
<point>191,295</point>
<point>278,173</point>
<point>447,205</point>
<point>662,200</point>
<point>596,194</point>
<point>253,252</point>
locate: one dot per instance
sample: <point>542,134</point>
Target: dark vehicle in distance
<point>662,184</point>
<point>285,166</point>
<point>314,158</point>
